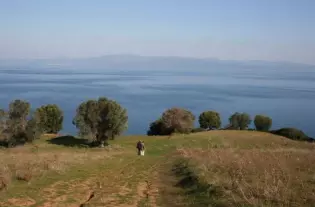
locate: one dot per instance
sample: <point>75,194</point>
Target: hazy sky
<point>226,29</point>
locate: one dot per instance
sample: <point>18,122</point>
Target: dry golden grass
<point>245,168</point>
<point>279,173</point>
<point>26,162</point>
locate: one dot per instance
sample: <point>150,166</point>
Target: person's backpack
<point>139,145</point>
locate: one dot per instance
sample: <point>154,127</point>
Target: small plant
<point>5,180</point>
<point>24,174</point>
<point>195,130</point>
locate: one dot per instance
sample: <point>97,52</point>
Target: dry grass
<point>237,168</point>
<point>27,162</point>
<point>279,174</point>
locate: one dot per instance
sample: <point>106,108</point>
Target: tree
<point>292,133</point>
<point>262,123</point>
<point>50,118</point>
<point>156,128</point>
<point>17,126</point>
<point>100,119</point>
<point>209,120</point>
<point>33,129</point>
<point>17,121</point>
<point>240,121</point>
<point>177,120</point>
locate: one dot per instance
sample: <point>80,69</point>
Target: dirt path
<point>132,184</point>
<point>120,181</point>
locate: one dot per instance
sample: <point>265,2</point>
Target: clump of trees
<point>174,120</point>
<point>100,120</point>
<point>292,133</point>
<point>210,120</point>
<point>50,118</point>
<point>240,121</point>
<point>103,119</point>
<point>18,125</point>
<point>262,123</point>
<point>156,128</point>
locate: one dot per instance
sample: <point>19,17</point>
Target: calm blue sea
<point>288,96</point>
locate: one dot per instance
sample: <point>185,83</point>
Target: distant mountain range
<point>134,62</point>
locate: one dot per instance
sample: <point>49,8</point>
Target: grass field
<point>218,168</point>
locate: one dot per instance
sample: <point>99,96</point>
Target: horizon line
<point>160,56</point>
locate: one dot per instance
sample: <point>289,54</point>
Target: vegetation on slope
<point>221,168</point>
<point>212,168</point>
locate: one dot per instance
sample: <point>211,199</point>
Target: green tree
<point>50,118</point>
<point>209,120</point>
<point>262,123</point>
<point>177,120</point>
<point>33,129</point>
<point>240,121</point>
<point>17,121</point>
<point>156,128</point>
<point>100,119</point>
<point>3,125</point>
<point>292,133</point>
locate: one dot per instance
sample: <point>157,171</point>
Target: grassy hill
<point>217,168</point>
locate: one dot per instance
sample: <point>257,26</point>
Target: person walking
<point>140,147</point>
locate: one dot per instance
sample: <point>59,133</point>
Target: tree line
<point>103,119</point>
<point>179,120</point>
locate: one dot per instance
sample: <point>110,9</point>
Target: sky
<point>275,30</point>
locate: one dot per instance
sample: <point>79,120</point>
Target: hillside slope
<point>218,168</point>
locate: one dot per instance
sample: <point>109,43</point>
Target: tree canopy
<point>50,118</point>
<point>101,119</point>
<point>156,128</point>
<point>17,125</point>
<point>240,121</point>
<point>262,123</point>
<point>177,120</point>
<point>210,120</point>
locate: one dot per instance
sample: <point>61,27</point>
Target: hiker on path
<point>140,147</point>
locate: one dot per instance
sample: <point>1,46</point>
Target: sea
<point>288,96</point>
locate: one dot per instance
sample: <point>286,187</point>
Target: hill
<point>217,168</point>
<point>134,63</point>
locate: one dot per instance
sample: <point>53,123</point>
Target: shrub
<point>101,119</point>
<point>156,128</point>
<point>51,118</point>
<point>262,123</point>
<point>291,133</point>
<point>210,120</point>
<point>240,121</point>
<point>195,130</point>
<point>24,175</point>
<point>17,126</point>
<point>177,120</point>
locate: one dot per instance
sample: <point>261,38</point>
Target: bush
<point>177,120</point>
<point>195,130</point>
<point>17,126</point>
<point>240,121</point>
<point>291,133</point>
<point>156,128</point>
<point>210,120</point>
<point>174,120</point>
<point>262,123</point>
<point>51,118</point>
<point>100,119</point>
